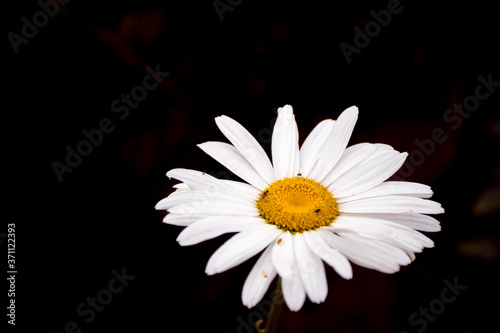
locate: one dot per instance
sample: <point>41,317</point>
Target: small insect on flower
<point>317,210</point>
<point>299,175</point>
<point>264,194</point>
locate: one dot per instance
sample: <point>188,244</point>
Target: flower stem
<point>274,313</point>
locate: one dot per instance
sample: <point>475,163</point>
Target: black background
<point>71,234</point>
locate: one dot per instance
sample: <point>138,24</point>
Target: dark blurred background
<point>243,59</point>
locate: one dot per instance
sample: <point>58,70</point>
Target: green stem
<point>274,313</point>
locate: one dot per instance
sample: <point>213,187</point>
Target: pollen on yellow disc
<point>297,204</point>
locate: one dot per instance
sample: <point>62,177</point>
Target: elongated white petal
<point>247,146</point>
<point>392,188</point>
<point>351,157</point>
<point>311,270</point>
<point>210,186</point>
<point>182,219</point>
<point>229,156</point>
<point>215,207</point>
<point>166,203</point>
<point>410,220</point>
<point>312,146</point>
<point>386,251</point>
<point>259,279</point>
<point>181,187</point>
<point>196,180</point>
<point>368,174</point>
<point>285,144</point>
<point>369,253</point>
<point>331,256</point>
<point>241,247</point>
<point>383,146</point>
<point>391,204</point>
<point>200,198</point>
<point>294,293</point>
<point>283,256</point>
<point>215,226</point>
<point>243,190</point>
<point>335,144</point>
<point>397,234</point>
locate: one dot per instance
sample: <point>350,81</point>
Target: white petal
<point>352,156</point>
<point>335,144</point>
<point>259,279</point>
<point>201,198</point>
<point>230,157</point>
<point>369,253</point>
<point>182,219</point>
<point>247,146</point>
<point>396,234</point>
<point>242,189</point>
<point>211,186</point>
<point>215,207</point>
<point>311,270</point>
<point>411,220</point>
<point>386,251</point>
<point>166,203</point>
<point>241,247</point>
<point>194,179</point>
<point>312,146</point>
<point>181,187</point>
<point>392,188</point>
<point>285,144</point>
<point>283,256</point>
<point>294,293</point>
<point>331,256</point>
<point>367,174</point>
<point>383,146</point>
<point>391,204</point>
<point>215,226</point>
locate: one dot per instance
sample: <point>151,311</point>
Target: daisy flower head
<point>320,202</point>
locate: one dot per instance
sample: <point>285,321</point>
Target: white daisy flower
<point>321,202</point>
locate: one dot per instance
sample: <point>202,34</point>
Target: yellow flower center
<point>297,204</point>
